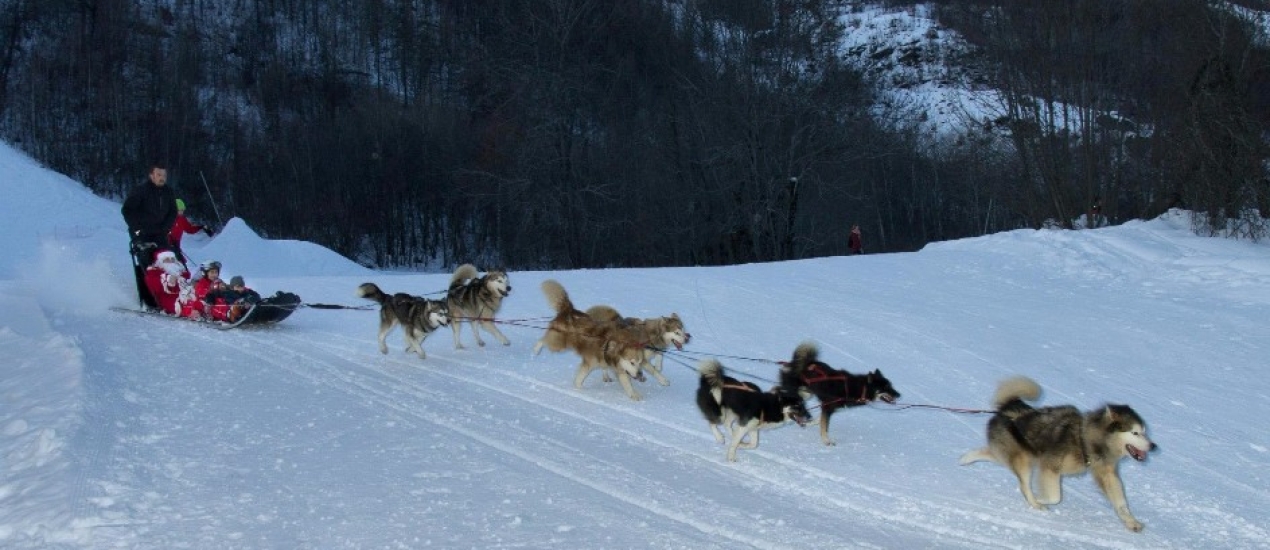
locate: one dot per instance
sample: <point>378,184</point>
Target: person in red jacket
<point>211,283</point>
<point>180,227</point>
<point>854,246</point>
<point>169,282</point>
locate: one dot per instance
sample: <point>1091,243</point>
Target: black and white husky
<point>743,407</point>
<point>834,388</point>
<point>419,317</point>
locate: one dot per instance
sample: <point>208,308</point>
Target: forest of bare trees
<point>590,133</point>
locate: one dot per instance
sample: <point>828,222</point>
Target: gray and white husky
<point>419,317</point>
<point>475,300</point>
<point>1059,441</point>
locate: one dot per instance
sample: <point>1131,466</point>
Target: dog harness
<point>819,372</point>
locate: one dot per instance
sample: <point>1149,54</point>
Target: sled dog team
<point>1052,441</point>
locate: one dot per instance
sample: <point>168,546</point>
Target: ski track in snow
<point>343,367</point>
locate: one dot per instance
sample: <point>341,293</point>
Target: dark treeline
<point>582,133</point>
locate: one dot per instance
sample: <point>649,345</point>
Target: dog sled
<point>267,311</point>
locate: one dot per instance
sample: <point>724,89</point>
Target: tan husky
<point>657,334</point>
<point>600,345</point>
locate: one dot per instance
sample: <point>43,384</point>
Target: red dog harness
<point>820,372</point>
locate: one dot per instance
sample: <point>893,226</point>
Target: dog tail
<point>711,376</point>
<point>1019,388</point>
<point>556,296</point>
<point>603,314</point>
<point>463,273</point>
<point>710,391</point>
<point>792,372</point>
<point>371,291</point>
<point>805,354</point>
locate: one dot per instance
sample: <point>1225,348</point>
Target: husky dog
<point>656,334</point>
<point>1061,441</point>
<point>602,345</point>
<point>834,388</point>
<point>418,316</point>
<point>743,408</point>
<point>475,300</point>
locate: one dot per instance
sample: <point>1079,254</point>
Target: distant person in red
<point>180,227</point>
<point>169,283</point>
<point>854,246</point>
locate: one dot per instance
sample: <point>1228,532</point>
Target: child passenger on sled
<point>229,303</point>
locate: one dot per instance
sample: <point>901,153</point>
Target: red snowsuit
<point>230,303</point>
<point>180,227</point>
<point>218,310</point>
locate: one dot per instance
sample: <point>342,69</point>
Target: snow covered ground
<point>123,431</point>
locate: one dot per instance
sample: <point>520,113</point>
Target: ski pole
<point>210,198</point>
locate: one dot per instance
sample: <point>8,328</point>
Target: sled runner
<point>265,312</point>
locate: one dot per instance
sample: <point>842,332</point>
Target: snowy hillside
<point>915,64</point>
<point>124,431</point>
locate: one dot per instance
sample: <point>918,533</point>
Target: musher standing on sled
<point>149,211</point>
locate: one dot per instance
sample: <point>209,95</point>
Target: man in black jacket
<point>149,211</point>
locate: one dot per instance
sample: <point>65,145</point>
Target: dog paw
<point>1134,525</point>
<point>974,456</point>
<point>830,443</point>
